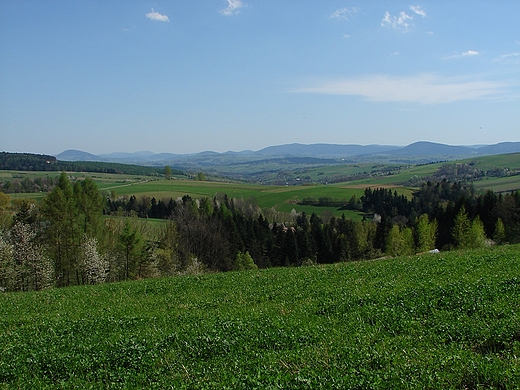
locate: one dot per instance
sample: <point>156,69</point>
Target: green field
<point>402,173</point>
<point>285,198</point>
<point>445,321</point>
<point>511,161</point>
<point>282,198</point>
<point>499,184</point>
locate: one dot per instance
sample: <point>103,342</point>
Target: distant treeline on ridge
<point>41,162</point>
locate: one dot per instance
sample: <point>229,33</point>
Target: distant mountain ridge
<point>78,155</point>
<point>423,148</point>
<point>429,151</point>
<point>324,150</point>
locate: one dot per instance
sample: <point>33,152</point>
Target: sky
<point>185,76</point>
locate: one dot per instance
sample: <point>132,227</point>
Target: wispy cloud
<point>157,16</point>
<point>344,13</point>
<point>233,7</point>
<point>516,54</point>
<point>402,20</point>
<point>418,10</point>
<point>424,88</point>
<point>509,58</point>
<point>469,53</point>
<point>399,22</point>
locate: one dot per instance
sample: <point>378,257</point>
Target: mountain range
<point>421,151</point>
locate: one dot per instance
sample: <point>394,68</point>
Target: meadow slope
<point>443,321</point>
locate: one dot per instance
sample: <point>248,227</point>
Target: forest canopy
<point>40,162</point>
<point>77,236</point>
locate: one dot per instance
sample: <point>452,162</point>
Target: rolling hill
<point>422,151</point>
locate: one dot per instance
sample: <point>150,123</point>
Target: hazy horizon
<point>269,146</point>
<point>187,77</point>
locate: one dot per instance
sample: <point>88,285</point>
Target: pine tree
<point>130,242</point>
<point>461,227</point>
<point>500,232</point>
<point>70,214</point>
<point>62,232</point>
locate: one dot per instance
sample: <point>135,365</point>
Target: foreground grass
<point>441,321</point>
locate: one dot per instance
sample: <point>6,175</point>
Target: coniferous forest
<point>76,236</point>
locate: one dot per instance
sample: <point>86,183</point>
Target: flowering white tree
<point>7,268</point>
<point>95,266</point>
<point>23,263</point>
<point>35,269</point>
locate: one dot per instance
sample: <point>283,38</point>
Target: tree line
<point>41,162</point>
<point>76,236</point>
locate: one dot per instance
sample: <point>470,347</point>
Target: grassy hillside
<point>441,321</point>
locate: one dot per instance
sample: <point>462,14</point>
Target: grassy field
<point>282,198</point>
<point>499,184</point>
<point>511,161</point>
<point>403,173</point>
<point>444,321</point>
<point>285,198</point>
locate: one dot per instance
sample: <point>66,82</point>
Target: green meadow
<point>285,198</point>
<point>436,321</point>
<point>282,198</point>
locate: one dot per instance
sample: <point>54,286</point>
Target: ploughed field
<point>437,321</point>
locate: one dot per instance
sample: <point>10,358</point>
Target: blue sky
<point>189,76</point>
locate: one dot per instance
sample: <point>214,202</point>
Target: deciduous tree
<point>426,233</point>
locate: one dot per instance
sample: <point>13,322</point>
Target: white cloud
<point>232,8</point>
<point>157,16</point>
<point>509,58</point>
<point>344,13</point>
<point>346,35</point>
<point>469,53</point>
<point>399,22</point>
<point>418,10</point>
<point>510,55</point>
<point>424,89</point>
